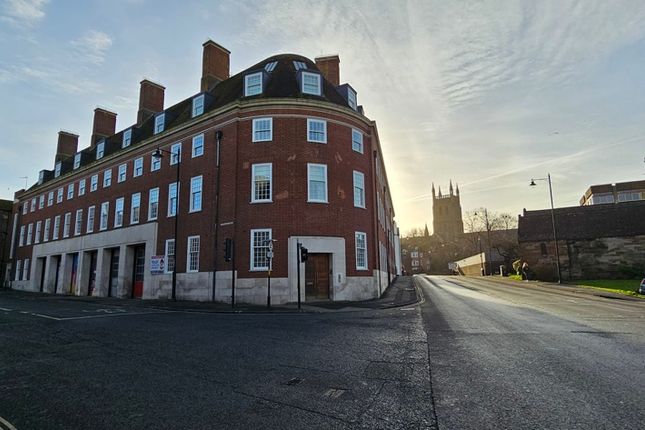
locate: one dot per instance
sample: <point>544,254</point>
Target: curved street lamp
<point>158,154</point>
<point>555,235</point>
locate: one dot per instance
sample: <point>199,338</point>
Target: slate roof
<point>280,83</point>
<point>584,222</point>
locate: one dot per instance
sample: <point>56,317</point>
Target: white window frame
<point>25,207</point>
<point>81,187</point>
<point>172,208</point>
<point>361,200</point>
<point>155,163</point>
<point>160,123</point>
<point>309,198</point>
<point>198,105</point>
<point>122,173</point>
<point>21,241</point>
<point>310,121</point>
<point>30,231</point>
<point>47,229</point>
<point>351,99</point>
<point>198,145</point>
<point>39,227</point>
<point>175,153</point>
<point>104,216</point>
<point>167,255</point>
<point>91,215</point>
<point>254,183</point>
<point>357,140</point>
<point>77,160</point>
<point>41,201</point>
<point>249,89</point>
<point>18,276</point>
<point>78,224</point>
<point>127,138</point>
<point>25,268</point>
<point>256,132</point>
<point>135,203</point>
<point>192,256</point>
<point>57,169</point>
<point>70,191</point>
<point>357,250</point>
<point>119,212</point>
<point>100,150</point>
<point>34,201</point>
<point>253,267</point>
<point>56,229</point>
<point>136,168</point>
<point>67,224</point>
<point>153,201</point>
<point>94,183</point>
<point>303,87</point>
<point>50,198</point>
<point>59,195</point>
<point>194,193</point>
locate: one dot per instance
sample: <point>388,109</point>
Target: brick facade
<point>227,210</point>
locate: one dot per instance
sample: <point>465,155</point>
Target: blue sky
<point>486,93</point>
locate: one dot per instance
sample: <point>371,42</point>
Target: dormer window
<point>127,138</point>
<point>270,66</point>
<point>160,123</point>
<point>311,83</point>
<point>57,170</point>
<point>198,105</point>
<point>77,160</point>
<point>299,65</point>
<point>253,84</point>
<point>351,98</point>
<point>41,177</point>
<point>100,150</point>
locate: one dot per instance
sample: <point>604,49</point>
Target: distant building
<point>415,260</point>
<point>595,241</point>
<point>614,193</point>
<point>446,214</point>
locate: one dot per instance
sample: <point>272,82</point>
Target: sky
<point>488,94</point>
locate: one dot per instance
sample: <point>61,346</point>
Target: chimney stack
<point>215,65</point>
<point>104,125</point>
<point>150,100</point>
<point>67,145</point>
<point>329,66</point>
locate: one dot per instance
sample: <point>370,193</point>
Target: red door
<point>139,266</point>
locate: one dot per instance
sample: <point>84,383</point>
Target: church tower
<point>446,213</point>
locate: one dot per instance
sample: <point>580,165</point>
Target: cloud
<point>23,12</point>
<point>92,47</point>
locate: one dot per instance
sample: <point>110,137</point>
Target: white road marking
<point>97,316</point>
<point>6,309</point>
<point>7,424</point>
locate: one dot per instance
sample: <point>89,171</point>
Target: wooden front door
<point>317,277</point>
<point>139,267</point>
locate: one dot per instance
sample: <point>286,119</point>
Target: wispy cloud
<point>92,47</point>
<point>23,12</point>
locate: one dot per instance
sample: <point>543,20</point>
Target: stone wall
<point>603,258</point>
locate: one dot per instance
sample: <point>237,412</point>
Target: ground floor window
<point>193,254</point>
<point>260,239</point>
<point>361,251</point>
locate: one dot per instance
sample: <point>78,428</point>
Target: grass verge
<point>621,286</point>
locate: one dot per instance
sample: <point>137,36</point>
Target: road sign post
<point>269,258</point>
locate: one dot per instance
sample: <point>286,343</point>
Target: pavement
<point>401,292</point>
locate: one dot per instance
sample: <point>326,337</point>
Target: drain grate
<point>294,381</point>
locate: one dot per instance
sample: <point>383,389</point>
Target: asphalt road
<point>526,357</point>
<point>69,364</point>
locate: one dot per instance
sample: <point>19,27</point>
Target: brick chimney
<point>329,66</point>
<point>104,125</point>
<point>150,100</point>
<point>215,65</point>
<point>67,145</point>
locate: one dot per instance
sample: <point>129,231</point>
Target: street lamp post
<point>489,258</point>
<point>481,259</point>
<point>158,154</point>
<point>555,234</point>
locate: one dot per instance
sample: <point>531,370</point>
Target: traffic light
<point>304,254</point>
<point>228,249</point>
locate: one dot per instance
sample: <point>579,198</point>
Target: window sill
<point>318,201</point>
<point>317,141</point>
<point>263,140</point>
<point>253,202</point>
<point>192,211</point>
<point>266,269</point>
<point>360,207</point>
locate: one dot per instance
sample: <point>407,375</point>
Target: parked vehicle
<point>641,289</point>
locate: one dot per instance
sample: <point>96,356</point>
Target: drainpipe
<point>218,138</point>
<point>375,219</point>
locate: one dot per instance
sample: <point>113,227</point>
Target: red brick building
<point>279,153</point>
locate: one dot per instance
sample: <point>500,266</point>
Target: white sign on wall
<point>157,264</point>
